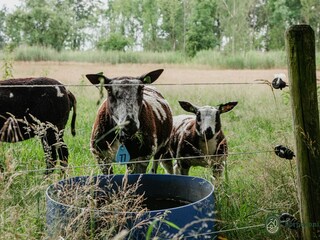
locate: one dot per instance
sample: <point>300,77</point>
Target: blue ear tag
<point>122,155</point>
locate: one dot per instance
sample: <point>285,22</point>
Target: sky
<point>10,4</point>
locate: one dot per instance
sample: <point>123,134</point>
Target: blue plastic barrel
<point>177,206</point>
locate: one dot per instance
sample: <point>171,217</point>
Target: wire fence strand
<point>255,82</point>
<point>147,160</point>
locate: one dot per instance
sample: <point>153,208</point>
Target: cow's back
<point>25,96</point>
<point>156,115</point>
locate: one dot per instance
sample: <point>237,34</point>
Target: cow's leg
<point>218,167</point>
<point>104,159</point>
<point>63,153</point>
<point>49,151</point>
<point>168,166</point>
<point>155,160</point>
<point>154,167</point>
<point>181,167</point>
<point>167,161</point>
<point>138,167</point>
<point>106,169</point>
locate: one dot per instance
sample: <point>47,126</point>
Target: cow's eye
<point>140,88</point>
<point>111,97</point>
<point>198,116</point>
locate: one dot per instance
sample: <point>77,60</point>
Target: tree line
<point>187,26</point>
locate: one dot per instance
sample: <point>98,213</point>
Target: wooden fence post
<point>300,44</point>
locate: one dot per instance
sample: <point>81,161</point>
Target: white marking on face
<point>11,95</point>
<point>206,118</point>
<point>59,93</point>
<point>126,103</point>
<point>208,147</point>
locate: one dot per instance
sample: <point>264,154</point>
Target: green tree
<point>150,25</point>
<point>203,27</point>
<point>172,26</point>
<point>282,14</point>
<point>38,23</point>
<point>2,33</point>
<point>123,21</point>
<point>258,19</point>
<point>235,24</point>
<point>52,23</point>
<point>311,14</point>
<point>14,27</point>
<point>83,15</point>
<point>115,41</point>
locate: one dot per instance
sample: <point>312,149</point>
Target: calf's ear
<point>188,107</point>
<point>151,76</point>
<point>98,79</point>
<point>227,107</point>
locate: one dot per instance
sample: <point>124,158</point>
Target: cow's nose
<point>208,132</point>
<point>131,126</point>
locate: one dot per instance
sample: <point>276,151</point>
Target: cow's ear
<point>98,79</point>
<point>227,107</point>
<point>151,76</point>
<point>188,107</point>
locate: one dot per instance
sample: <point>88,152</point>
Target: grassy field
<point>256,183</point>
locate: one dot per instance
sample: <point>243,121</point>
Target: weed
<point>7,63</point>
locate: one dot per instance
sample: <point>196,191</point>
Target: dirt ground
<point>73,73</point>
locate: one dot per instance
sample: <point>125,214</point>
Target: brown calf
<point>194,136</point>
<point>134,116</point>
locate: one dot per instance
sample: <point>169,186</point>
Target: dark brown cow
<point>198,135</point>
<point>134,115</point>
<point>37,106</point>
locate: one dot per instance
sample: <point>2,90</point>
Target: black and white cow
<point>194,136</point>
<point>37,106</point>
<point>134,115</point>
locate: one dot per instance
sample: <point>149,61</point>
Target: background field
<point>256,182</point>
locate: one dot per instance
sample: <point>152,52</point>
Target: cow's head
<point>208,121</point>
<point>125,96</point>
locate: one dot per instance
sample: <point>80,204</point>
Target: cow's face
<point>125,95</point>
<point>208,122</point>
<point>125,101</point>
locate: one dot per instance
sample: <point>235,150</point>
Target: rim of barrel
<point>122,175</point>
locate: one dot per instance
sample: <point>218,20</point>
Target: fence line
<point>256,82</point>
<point>140,161</point>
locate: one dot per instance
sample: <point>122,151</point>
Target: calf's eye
<point>198,117</point>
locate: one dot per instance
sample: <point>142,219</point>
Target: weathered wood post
<point>300,44</point>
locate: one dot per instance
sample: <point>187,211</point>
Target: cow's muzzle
<point>208,133</point>
<point>130,128</point>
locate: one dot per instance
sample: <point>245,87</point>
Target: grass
<point>256,183</point>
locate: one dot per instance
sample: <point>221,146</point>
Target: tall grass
<point>26,53</point>
<point>248,60</point>
<point>209,58</point>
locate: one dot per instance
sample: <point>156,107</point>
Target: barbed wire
<point>147,160</point>
<point>255,82</point>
